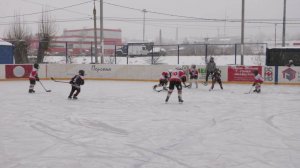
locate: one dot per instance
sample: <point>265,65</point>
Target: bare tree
<point>20,37</point>
<point>47,30</point>
<point>156,60</point>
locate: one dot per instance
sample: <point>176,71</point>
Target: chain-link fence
<point>148,53</point>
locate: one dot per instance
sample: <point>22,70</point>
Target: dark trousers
<point>216,80</point>
<point>73,90</point>
<point>207,75</point>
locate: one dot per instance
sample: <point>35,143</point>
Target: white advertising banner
<point>288,75</point>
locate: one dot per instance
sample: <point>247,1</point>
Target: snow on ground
<point>128,125</point>
<point>170,60</point>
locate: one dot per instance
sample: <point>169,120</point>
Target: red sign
<point>242,73</point>
<point>17,71</point>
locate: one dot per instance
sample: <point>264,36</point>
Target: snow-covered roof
<point>5,43</point>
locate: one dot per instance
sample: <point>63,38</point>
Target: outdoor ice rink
<point>117,124</point>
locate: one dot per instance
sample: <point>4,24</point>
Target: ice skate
<point>167,99</point>
<point>31,91</point>
<point>180,100</point>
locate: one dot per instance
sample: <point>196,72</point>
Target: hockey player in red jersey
<point>216,77</point>
<point>193,72</point>
<point>76,81</point>
<point>183,80</point>
<point>175,81</point>
<point>163,81</point>
<point>258,80</point>
<point>33,77</point>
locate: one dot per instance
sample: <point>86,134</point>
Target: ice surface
<point>127,125</point>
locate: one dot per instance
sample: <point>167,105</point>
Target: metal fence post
<point>152,56</point>
<point>206,53</point>
<point>235,53</point>
<point>91,52</point>
<point>66,52</point>
<point>178,54</point>
<point>115,54</point>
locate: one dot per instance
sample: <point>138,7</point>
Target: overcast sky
<point>127,16</point>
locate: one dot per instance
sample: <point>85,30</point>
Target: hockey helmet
<point>164,73</point>
<point>255,72</point>
<point>211,59</point>
<point>193,66</point>
<point>81,72</point>
<point>291,61</point>
<point>36,65</point>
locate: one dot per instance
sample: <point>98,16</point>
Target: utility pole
<point>160,37</point>
<point>284,21</point>
<point>177,35</point>
<point>144,10</point>
<point>275,34</point>
<point>95,34</point>
<point>242,32</point>
<point>101,32</point>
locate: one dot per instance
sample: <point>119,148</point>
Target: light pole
<point>284,21</point>
<point>101,31</point>
<point>144,11</point>
<point>242,32</point>
<point>95,34</point>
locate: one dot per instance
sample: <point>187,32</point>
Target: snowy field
<point>127,125</point>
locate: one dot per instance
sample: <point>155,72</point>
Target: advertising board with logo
<point>17,71</point>
<point>289,74</point>
<point>269,74</point>
<point>242,73</point>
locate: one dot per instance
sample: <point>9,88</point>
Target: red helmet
<point>164,73</point>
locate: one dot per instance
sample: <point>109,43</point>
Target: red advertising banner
<point>17,71</point>
<point>242,73</point>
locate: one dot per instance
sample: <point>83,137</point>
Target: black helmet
<point>193,66</point>
<point>255,72</point>
<point>81,72</point>
<point>36,65</point>
<point>211,59</point>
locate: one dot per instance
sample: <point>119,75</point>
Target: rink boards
<point>232,74</point>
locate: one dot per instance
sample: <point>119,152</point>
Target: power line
<point>204,19</point>
<point>34,13</point>
<point>71,11</point>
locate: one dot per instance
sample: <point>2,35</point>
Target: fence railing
<point>147,53</point>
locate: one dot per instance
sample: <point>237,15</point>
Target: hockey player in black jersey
<point>76,81</point>
<point>216,77</point>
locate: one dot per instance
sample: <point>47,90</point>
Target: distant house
<point>289,74</point>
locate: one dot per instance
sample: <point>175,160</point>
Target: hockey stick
<point>250,90</point>
<point>44,87</point>
<point>187,86</point>
<point>159,90</point>
<point>58,81</point>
